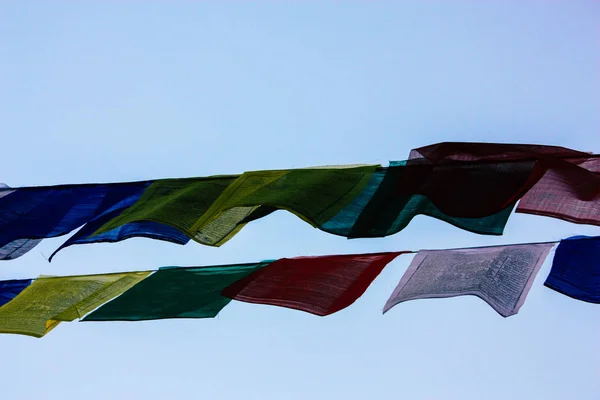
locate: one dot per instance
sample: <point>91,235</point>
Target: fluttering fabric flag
<point>554,196</point>
<point>175,202</point>
<point>466,190</point>
<point>445,152</point>
<point>318,285</point>
<point>566,182</point>
<point>44,212</point>
<point>175,293</point>
<point>41,306</point>
<point>10,289</point>
<point>576,268</point>
<point>147,229</point>
<point>501,276</point>
<point>16,248</point>
<point>380,211</point>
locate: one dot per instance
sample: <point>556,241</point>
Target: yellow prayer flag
<point>50,300</point>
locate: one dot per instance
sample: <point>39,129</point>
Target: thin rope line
<point>328,255</point>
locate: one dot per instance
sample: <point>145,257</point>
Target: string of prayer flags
<point>576,269</point>
<point>314,194</point>
<point>175,293</point>
<point>474,186</point>
<point>41,306</point>
<point>317,285</point>
<point>501,276</point>
<point>320,285</point>
<point>176,210</point>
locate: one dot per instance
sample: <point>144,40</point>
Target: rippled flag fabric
<point>10,289</point>
<point>576,269</point>
<point>560,160</point>
<point>393,214</point>
<point>477,151</point>
<point>555,196</point>
<point>501,276</point>
<point>41,306</point>
<point>380,210</point>
<point>19,247</point>
<point>175,202</point>
<point>175,293</point>
<point>44,212</point>
<point>314,194</point>
<point>319,285</point>
<point>147,229</point>
<point>464,190</point>
<point>566,182</point>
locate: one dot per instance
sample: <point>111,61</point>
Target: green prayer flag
<point>175,202</point>
<point>313,194</point>
<point>176,293</point>
<point>377,212</point>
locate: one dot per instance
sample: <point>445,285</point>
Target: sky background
<point>111,91</point>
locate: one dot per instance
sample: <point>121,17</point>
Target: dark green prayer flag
<point>377,211</point>
<point>176,293</point>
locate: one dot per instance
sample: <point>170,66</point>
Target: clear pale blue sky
<point>112,92</point>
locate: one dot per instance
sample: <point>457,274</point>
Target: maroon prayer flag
<point>318,285</point>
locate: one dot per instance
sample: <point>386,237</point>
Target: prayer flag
<point>576,268</point>
<point>556,195</point>
<point>500,276</point>
<point>175,293</point>
<point>41,306</point>
<point>319,285</point>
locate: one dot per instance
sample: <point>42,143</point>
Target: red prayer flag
<point>319,285</point>
<point>554,196</point>
<point>564,184</point>
<point>474,151</point>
